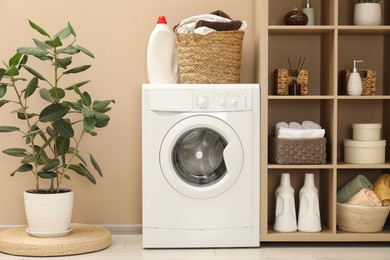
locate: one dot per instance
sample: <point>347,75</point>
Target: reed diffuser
<point>294,88</point>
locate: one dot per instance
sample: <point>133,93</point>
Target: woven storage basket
<point>368,82</point>
<point>361,219</point>
<point>214,58</point>
<point>282,78</point>
<point>297,151</point>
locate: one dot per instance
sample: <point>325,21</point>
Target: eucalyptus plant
<point>51,135</point>
<point>367,1</point>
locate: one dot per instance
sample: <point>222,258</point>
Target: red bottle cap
<point>161,19</point>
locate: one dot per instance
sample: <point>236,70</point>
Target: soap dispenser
<point>354,85</point>
<point>309,11</point>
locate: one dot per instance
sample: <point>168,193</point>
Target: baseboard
<point>124,229</point>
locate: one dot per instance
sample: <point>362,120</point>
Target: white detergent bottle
<point>162,58</point>
<point>354,86</point>
<point>285,217</point>
<point>309,211</point>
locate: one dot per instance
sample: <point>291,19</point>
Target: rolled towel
<point>279,125</point>
<point>365,197</point>
<point>294,125</point>
<point>294,133</point>
<point>353,187</point>
<point>382,189</point>
<point>310,125</point>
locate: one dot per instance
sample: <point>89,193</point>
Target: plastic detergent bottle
<point>285,217</point>
<point>162,58</point>
<point>309,211</point>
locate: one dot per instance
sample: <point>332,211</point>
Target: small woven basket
<point>297,151</point>
<point>282,78</point>
<point>361,219</point>
<point>214,58</point>
<point>368,82</point>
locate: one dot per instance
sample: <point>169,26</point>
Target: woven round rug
<point>82,239</point>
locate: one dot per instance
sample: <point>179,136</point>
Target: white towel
<point>295,125</point>
<point>310,125</point>
<point>294,133</point>
<point>279,125</point>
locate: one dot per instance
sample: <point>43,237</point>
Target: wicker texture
<point>361,219</point>
<point>214,58</point>
<point>297,151</point>
<point>83,239</point>
<point>368,82</point>
<point>282,78</point>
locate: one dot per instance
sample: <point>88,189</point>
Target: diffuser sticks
<point>294,88</point>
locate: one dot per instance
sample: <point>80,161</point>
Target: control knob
<point>233,102</point>
<point>202,102</point>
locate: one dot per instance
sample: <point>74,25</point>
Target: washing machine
<point>200,165</point>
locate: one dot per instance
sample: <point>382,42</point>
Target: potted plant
<point>367,12</point>
<point>50,131</point>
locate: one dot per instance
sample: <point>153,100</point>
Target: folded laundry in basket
<point>353,187</point>
<point>190,25</point>
<point>382,189</point>
<point>365,197</point>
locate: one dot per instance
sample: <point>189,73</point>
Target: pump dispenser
<point>309,11</point>
<point>354,81</point>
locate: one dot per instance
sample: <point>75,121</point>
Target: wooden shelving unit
<point>329,46</point>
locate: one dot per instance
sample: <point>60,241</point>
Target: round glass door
<point>197,157</point>
<point>201,156</point>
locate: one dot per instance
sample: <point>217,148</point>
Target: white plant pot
<point>48,215</point>
<point>367,14</point>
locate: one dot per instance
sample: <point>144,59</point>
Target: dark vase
<point>296,18</point>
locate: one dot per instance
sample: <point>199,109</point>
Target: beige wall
<point>116,32</point>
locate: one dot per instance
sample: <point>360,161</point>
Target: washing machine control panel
<point>222,100</point>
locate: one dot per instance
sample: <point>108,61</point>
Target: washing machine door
<point>201,157</point>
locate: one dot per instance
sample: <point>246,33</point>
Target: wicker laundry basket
<point>361,219</point>
<point>297,151</point>
<point>214,58</point>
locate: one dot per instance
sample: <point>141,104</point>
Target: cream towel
<point>365,197</point>
<point>382,189</point>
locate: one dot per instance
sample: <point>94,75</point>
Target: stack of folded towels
<point>293,130</point>
<point>360,192</point>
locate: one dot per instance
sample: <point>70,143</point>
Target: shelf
<point>299,166</point>
<point>308,97</point>
<point>303,30</point>
<point>273,236</point>
<point>343,165</point>
<point>363,30</point>
<point>363,97</point>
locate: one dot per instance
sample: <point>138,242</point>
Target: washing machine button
<point>222,102</point>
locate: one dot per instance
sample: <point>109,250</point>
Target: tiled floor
<point>129,247</point>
